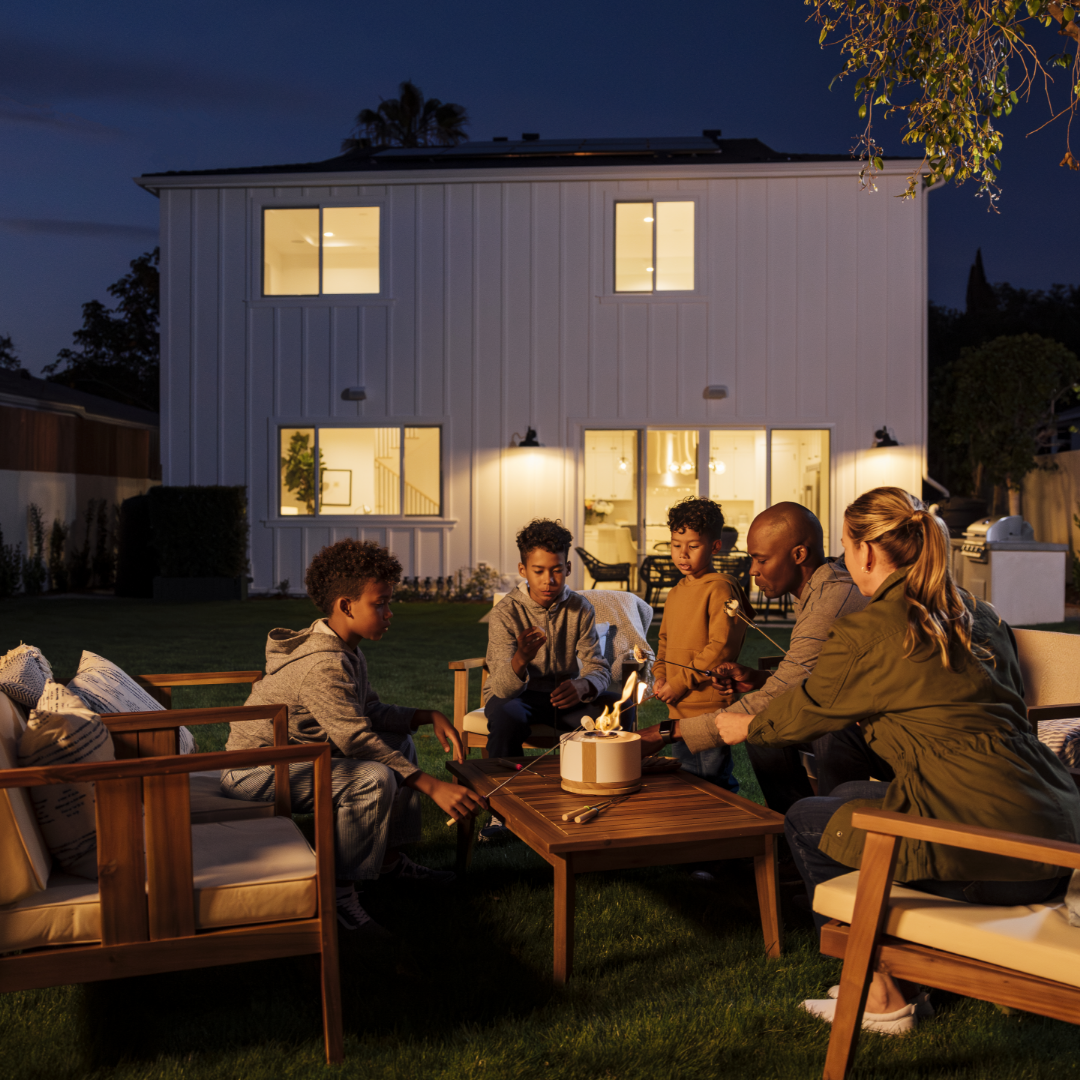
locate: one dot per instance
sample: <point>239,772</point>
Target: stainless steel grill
<point>1000,530</point>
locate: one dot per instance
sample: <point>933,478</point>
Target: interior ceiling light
<point>648,269</point>
<point>648,219</point>
<point>717,466</point>
<point>623,464</point>
<point>328,234</point>
<point>687,466</point>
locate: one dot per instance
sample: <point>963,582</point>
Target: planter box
<point>199,589</point>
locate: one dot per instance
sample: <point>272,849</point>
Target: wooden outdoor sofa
<point>187,877</point>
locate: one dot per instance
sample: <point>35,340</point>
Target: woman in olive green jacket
<point>932,681</point>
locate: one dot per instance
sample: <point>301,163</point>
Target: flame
<point>611,718</point>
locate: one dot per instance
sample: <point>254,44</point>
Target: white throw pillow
<point>23,674</point>
<point>106,688</point>
<point>62,731</point>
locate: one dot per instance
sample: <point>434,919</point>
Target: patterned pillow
<point>106,688</point>
<point>23,674</point>
<point>62,731</point>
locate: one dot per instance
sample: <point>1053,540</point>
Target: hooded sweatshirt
<point>325,685</point>
<point>570,625</point>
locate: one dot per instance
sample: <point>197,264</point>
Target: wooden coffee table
<point>674,818</point>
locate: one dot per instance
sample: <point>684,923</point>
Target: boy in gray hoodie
<point>539,636</point>
<point>321,675</point>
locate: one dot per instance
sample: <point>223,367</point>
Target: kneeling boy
<point>538,636</point>
<point>321,675</point>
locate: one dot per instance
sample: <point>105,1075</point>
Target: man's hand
<point>448,735</point>
<point>458,801</point>
<point>731,677</point>
<point>565,695</point>
<point>667,693</point>
<point>529,643</point>
<point>732,727</point>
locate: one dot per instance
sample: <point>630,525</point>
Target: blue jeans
<point>713,765</point>
<point>807,820</point>
<point>510,719</point>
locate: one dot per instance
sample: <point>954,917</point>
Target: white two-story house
<point>366,342</point>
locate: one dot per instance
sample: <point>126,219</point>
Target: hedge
<point>200,531</point>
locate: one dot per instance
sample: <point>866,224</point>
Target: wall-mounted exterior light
<point>715,393</point>
<point>354,393</point>
<point>529,439</point>
<point>883,437</point>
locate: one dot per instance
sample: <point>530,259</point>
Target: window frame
<point>300,201</point>
<point>653,296</point>
<point>277,424</point>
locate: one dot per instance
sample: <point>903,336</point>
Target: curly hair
<point>545,534</point>
<point>698,515</point>
<point>346,568</point>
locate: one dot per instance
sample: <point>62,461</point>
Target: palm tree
<point>409,120</point>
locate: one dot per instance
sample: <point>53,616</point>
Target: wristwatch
<point>667,732</point>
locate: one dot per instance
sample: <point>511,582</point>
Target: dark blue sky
<point>91,95</point>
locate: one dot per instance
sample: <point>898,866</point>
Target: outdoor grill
<point>1002,530</point>
<point>999,560</point>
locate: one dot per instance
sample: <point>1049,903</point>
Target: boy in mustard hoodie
<point>696,631</point>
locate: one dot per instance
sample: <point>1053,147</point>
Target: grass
<point>670,979</point>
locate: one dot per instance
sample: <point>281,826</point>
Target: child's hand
<point>667,693</point>
<point>445,732</point>
<point>565,695</point>
<point>530,642</point>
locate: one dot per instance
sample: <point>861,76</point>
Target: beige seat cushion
<point>24,860</point>
<point>244,872</point>
<point>208,803</point>
<point>1033,938</point>
<point>476,723</point>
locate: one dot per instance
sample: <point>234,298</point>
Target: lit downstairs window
<point>362,471</point>
<point>310,251</point>
<point>654,246</point>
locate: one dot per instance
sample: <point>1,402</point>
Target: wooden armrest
<point>467,665</point>
<point>971,837</point>
<point>203,678</point>
<point>164,720</point>
<point>1053,712</point>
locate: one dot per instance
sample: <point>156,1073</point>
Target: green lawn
<point>670,977</point>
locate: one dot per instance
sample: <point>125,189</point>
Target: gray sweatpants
<point>373,809</point>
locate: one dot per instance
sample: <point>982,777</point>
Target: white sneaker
<point>923,1009</point>
<point>894,1023</point>
<point>351,916</point>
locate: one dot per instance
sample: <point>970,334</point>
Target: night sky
<point>92,95</point>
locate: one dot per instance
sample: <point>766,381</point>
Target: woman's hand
<point>732,727</point>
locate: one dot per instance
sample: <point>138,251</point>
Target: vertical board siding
<point>497,314</point>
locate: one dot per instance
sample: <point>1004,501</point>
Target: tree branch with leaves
<point>949,69</point>
<point>410,119</point>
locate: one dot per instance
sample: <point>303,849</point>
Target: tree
<point>8,360</point>
<point>409,120</point>
<point>1006,394</point>
<point>117,351</point>
<point>298,467</point>
<point>943,67</point>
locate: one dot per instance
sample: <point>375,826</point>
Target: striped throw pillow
<point>23,674</point>
<point>62,731</point>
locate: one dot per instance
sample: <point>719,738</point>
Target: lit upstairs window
<point>654,247</point>
<point>311,252</point>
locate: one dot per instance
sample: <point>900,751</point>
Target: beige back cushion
<point>1050,664</point>
<point>24,859</point>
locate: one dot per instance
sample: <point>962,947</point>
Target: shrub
<point>58,571</point>
<point>33,568</point>
<point>104,561</point>
<point>10,567</point>
<point>79,557</point>
<point>199,531</point>
<point>136,560</point>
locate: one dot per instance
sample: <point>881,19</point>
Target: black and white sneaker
<point>351,916</point>
<point>414,874</point>
<point>495,829</point>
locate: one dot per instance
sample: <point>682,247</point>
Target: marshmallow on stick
<point>734,609</point>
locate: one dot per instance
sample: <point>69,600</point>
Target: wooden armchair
<point>160,687</point>
<point>1025,957</point>
<point>195,899</point>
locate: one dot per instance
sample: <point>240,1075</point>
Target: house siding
<point>497,315</point>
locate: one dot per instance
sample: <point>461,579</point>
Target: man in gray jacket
<point>539,636</point>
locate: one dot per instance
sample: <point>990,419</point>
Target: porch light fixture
<point>715,393</point>
<point>883,437</point>
<point>354,393</point>
<point>529,439</point>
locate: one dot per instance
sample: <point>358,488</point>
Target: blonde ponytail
<point>909,535</point>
